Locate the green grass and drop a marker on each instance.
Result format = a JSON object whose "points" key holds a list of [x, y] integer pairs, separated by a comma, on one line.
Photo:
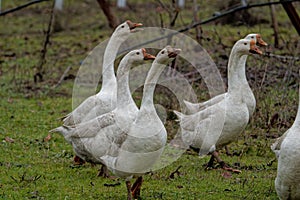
{"points": [[32, 168]]}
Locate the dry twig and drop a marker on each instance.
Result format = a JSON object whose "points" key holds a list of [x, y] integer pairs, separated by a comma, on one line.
{"points": [[62, 77], [172, 175], [39, 68]]}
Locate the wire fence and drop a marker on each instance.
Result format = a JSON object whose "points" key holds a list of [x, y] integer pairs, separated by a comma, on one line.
{"points": [[217, 16], [20, 7]]}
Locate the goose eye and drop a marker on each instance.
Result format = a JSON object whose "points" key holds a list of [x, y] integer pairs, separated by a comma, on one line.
{"points": [[252, 37], [162, 52], [137, 53], [122, 26], [245, 43]]}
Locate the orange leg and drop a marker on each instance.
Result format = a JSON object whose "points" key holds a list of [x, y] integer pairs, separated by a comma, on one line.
{"points": [[78, 161], [136, 187], [104, 172], [128, 185]]}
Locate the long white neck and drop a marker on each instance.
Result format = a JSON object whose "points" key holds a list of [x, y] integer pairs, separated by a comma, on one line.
{"points": [[124, 97], [150, 83], [297, 120], [242, 70], [108, 74], [234, 65]]}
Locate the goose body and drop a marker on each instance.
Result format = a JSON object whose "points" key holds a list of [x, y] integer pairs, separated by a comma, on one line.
{"points": [[287, 182], [105, 100], [246, 92], [147, 136], [100, 136], [204, 129]]}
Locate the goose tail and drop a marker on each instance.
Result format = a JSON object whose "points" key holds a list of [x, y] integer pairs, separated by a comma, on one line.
{"points": [[179, 115], [191, 107], [188, 104], [64, 130]]}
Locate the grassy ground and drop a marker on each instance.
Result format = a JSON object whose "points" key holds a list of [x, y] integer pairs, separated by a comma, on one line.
{"points": [[34, 164]]}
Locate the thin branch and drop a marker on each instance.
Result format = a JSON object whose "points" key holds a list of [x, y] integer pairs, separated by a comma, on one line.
{"points": [[39, 68], [111, 18], [174, 18], [21, 7], [292, 13], [211, 20], [196, 18], [264, 76], [164, 6], [161, 20], [172, 175], [236, 10], [62, 77], [275, 25], [281, 58]]}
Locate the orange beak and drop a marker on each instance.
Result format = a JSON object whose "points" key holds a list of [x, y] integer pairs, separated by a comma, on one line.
{"points": [[147, 56], [132, 25], [260, 41], [254, 49]]}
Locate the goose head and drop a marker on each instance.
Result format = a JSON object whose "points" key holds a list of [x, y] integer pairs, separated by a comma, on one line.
{"points": [[140, 55], [166, 54], [257, 38], [132, 58], [126, 28], [245, 46]]}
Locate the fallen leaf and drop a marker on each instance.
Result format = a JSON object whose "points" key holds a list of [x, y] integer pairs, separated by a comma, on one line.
{"points": [[227, 175], [10, 100], [10, 140], [274, 119], [47, 138]]}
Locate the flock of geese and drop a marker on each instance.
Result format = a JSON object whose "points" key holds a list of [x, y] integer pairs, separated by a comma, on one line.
{"points": [[109, 129]]}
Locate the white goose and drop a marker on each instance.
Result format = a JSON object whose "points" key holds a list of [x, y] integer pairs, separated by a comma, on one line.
{"points": [[95, 138], [204, 129], [287, 182], [247, 93], [105, 100], [147, 135]]}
